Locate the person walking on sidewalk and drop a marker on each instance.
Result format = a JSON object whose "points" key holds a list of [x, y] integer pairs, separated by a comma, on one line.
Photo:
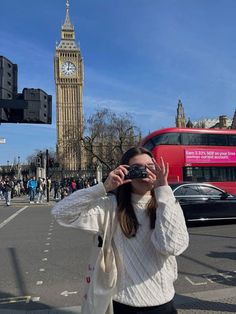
{"points": [[150, 231], [32, 186]]}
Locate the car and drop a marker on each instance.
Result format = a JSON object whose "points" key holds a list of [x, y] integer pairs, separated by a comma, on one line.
{"points": [[204, 202]]}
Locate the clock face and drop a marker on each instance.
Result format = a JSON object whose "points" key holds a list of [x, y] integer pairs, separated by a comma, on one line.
{"points": [[68, 68]]}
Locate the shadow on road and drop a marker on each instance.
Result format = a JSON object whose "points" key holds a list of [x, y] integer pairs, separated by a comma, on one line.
{"points": [[229, 255], [189, 303]]}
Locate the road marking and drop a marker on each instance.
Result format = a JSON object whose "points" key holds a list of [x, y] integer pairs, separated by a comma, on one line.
{"points": [[47, 243], [35, 299], [213, 278], [38, 283], [44, 259], [12, 217], [225, 275], [49, 233], [195, 283], [41, 269], [66, 293], [45, 251], [49, 238], [24, 299]]}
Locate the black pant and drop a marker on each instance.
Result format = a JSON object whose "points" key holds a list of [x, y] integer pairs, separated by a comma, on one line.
{"points": [[167, 308]]}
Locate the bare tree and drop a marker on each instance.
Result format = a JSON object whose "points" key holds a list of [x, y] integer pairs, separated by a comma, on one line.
{"points": [[31, 159], [108, 136]]}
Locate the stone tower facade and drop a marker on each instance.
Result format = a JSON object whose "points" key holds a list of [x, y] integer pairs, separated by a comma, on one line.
{"points": [[68, 72], [180, 119], [233, 126]]}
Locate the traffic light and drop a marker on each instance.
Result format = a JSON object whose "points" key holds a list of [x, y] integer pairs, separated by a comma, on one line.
{"points": [[39, 160], [51, 162]]}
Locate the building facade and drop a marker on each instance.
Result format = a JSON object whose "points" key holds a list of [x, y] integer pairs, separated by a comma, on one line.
{"points": [[222, 122], [180, 119], [68, 73]]}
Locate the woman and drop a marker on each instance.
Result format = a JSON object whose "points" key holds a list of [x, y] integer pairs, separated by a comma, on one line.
{"points": [[150, 232]]}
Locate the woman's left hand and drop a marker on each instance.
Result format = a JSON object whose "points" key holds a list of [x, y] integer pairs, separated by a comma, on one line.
{"points": [[159, 173]]}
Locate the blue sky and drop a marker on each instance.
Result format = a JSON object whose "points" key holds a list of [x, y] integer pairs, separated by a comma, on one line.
{"points": [[140, 57]]}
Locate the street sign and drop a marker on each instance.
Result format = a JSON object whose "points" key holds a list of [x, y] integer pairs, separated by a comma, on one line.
{"points": [[2, 141]]}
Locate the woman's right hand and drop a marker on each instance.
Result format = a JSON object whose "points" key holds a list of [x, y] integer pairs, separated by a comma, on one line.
{"points": [[116, 178]]}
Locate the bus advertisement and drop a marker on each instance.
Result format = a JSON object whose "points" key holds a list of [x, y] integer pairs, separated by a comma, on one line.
{"points": [[197, 155]]}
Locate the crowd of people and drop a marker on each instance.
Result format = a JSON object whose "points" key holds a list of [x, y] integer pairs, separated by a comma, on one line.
{"points": [[36, 189]]}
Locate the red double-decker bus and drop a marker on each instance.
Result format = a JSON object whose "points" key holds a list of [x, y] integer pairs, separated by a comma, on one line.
{"points": [[199, 155]]}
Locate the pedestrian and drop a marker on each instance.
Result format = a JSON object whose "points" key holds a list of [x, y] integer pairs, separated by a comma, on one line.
{"points": [[94, 181], [32, 185], [7, 191], [150, 231], [41, 190], [2, 190], [73, 186], [56, 187]]}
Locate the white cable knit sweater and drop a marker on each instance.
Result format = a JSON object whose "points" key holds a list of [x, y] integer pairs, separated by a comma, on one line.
{"points": [[146, 263]]}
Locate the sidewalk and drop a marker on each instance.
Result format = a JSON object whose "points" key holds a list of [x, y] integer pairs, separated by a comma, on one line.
{"points": [[219, 301]]}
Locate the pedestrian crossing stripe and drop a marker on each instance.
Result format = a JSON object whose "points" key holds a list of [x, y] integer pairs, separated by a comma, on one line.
{"points": [[25, 299]]}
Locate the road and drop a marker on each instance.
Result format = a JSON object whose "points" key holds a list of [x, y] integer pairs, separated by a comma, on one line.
{"points": [[43, 264]]}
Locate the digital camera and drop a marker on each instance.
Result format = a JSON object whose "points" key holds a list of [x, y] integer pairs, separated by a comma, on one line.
{"points": [[136, 171]]}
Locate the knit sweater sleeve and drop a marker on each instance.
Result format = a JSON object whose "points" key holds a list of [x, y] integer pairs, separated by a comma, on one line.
{"points": [[83, 209], [170, 236]]}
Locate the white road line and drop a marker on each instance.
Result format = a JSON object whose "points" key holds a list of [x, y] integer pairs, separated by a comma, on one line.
{"points": [[12, 217], [35, 299], [45, 251], [41, 269], [47, 243], [195, 283], [44, 259], [49, 238], [38, 283]]}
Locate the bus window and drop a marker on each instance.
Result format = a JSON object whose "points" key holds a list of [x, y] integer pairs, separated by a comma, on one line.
{"points": [[149, 145], [194, 139], [167, 139], [217, 140], [232, 139], [210, 174]]}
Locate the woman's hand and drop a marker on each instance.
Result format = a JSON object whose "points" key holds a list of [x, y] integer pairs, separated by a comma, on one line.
{"points": [[158, 173], [116, 178]]}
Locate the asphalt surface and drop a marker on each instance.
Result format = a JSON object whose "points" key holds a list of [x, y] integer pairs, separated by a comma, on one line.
{"points": [[212, 302], [206, 299]]}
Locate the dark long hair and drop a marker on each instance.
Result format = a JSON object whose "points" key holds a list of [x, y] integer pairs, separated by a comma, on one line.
{"points": [[126, 214]]}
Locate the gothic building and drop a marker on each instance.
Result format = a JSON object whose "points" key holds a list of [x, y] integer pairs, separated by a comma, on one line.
{"points": [[180, 119], [68, 73], [222, 122]]}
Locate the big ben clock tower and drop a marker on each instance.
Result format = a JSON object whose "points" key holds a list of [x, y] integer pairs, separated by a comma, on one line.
{"points": [[68, 69]]}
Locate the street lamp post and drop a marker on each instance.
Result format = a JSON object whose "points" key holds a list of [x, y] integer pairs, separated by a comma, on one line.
{"points": [[18, 169]]}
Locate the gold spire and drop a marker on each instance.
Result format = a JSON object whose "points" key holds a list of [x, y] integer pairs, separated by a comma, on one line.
{"points": [[67, 24]]}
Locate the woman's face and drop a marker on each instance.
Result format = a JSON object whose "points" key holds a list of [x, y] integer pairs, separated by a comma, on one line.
{"points": [[144, 185]]}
